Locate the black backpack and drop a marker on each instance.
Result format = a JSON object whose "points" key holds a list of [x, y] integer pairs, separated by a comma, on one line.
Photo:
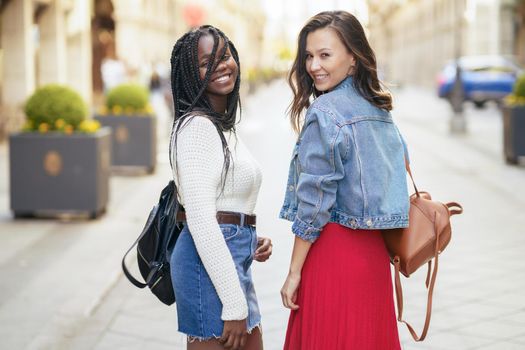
{"points": [[155, 244]]}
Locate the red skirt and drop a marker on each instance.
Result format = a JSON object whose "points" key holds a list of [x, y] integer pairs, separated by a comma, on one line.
{"points": [[345, 297]]}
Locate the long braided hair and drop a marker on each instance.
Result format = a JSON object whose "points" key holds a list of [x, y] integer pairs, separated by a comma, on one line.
{"points": [[188, 89]]}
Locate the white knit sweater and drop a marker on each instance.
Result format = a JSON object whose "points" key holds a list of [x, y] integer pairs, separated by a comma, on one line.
{"points": [[200, 159]]}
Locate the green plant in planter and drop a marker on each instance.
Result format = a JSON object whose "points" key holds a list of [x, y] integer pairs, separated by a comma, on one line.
{"points": [[518, 92], [127, 99], [57, 108]]}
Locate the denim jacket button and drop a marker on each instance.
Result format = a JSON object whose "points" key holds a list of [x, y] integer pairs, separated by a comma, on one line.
{"points": [[353, 223], [369, 223], [290, 188]]}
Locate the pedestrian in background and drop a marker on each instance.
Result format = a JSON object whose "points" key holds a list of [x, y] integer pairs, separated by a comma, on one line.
{"points": [[113, 70], [218, 182], [347, 182]]}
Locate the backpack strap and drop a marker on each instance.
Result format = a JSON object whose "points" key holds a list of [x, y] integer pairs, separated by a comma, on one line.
{"points": [[128, 274], [451, 205], [399, 290]]}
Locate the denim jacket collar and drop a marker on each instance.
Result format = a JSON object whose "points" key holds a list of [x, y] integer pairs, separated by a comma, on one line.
{"points": [[347, 82]]}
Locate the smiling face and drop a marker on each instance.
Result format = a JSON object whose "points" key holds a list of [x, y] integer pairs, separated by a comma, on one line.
{"points": [[328, 61], [222, 80]]}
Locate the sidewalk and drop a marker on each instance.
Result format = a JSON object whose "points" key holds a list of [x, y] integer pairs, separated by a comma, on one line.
{"points": [[61, 285]]}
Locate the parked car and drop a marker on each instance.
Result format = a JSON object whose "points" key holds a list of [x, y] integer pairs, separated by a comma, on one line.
{"points": [[484, 78]]}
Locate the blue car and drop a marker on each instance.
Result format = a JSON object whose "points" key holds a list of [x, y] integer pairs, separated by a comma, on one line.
{"points": [[484, 78]]}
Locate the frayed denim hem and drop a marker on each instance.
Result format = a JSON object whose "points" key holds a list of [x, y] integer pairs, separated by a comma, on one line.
{"points": [[192, 338], [258, 325]]}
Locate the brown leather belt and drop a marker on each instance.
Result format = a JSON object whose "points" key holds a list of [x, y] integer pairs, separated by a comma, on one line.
{"points": [[226, 217]]}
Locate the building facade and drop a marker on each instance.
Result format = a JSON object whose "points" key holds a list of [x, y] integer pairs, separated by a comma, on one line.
{"points": [[66, 42], [413, 39]]}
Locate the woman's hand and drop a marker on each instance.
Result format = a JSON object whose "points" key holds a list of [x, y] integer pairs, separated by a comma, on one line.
{"points": [[289, 290], [264, 249], [234, 335]]}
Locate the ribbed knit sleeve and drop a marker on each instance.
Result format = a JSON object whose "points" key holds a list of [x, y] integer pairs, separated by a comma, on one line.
{"points": [[199, 162]]}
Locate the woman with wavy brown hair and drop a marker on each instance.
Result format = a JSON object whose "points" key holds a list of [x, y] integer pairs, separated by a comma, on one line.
{"points": [[347, 182]]}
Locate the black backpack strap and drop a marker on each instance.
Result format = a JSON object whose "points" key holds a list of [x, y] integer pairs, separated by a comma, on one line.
{"points": [[128, 274]]}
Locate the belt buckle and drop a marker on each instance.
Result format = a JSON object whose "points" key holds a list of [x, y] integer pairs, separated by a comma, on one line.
{"points": [[242, 219]]}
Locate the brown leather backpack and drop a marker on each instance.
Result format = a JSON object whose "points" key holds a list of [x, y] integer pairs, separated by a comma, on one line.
{"points": [[421, 242]]}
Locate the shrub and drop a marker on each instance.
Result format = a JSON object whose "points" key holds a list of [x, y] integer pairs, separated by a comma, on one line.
{"points": [[518, 92], [54, 107], [127, 98], [519, 86]]}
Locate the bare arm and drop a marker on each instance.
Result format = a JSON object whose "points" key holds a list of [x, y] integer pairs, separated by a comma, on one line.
{"points": [[289, 290]]}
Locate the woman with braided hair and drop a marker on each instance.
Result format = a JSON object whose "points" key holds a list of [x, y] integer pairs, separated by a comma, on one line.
{"points": [[218, 182]]}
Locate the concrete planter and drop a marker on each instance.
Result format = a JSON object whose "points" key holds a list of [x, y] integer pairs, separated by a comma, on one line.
{"points": [[513, 133], [54, 174], [134, 140]]}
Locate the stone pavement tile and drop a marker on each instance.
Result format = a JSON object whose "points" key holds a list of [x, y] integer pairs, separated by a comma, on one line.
{"points": [[484, 310], [502, 345], [517, 318], [511, 298], [410, 344], [14, 338], [454, 319], [519, 340], [143, 304], [20, 237], [445, 341], [451, 319], [447, 299], [272, 342], [274, 326], [484, 288], [161, 329], [117, 341], [493, 329]]}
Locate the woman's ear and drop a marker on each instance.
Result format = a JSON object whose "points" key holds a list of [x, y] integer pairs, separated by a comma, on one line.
{"points": [[352, 65]]}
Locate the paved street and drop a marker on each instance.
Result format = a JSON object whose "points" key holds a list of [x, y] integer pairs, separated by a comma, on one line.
{"points": [[61, 285]]}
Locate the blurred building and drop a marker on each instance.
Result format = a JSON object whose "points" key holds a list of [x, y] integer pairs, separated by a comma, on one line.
{"points": [[65, 41], [242, 21], [414, 38], [41, 42], [286, 18]]}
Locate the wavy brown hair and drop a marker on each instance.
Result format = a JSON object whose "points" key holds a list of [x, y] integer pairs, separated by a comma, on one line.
{"points": [[365, 79]]}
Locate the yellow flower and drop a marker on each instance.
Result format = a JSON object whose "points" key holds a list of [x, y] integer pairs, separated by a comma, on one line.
{"points": [[116, 110], [89, 126], [513, 100], [59, 123], [68, 129], [149, 109], [96, 125], [129, 111], [43, 127]]}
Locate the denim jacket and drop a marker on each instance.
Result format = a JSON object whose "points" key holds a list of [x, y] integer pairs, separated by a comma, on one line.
{"points": [[347, 167]]}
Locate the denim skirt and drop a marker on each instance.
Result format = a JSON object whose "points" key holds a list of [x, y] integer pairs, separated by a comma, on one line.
{"points": [[199, 308]]}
